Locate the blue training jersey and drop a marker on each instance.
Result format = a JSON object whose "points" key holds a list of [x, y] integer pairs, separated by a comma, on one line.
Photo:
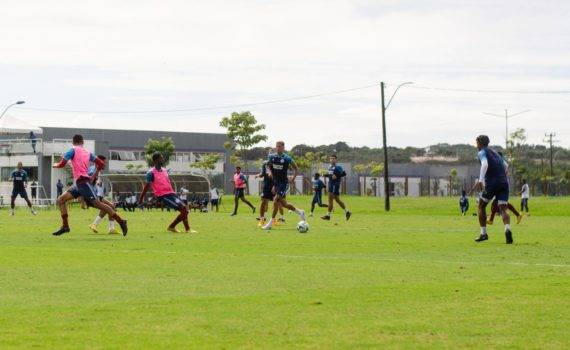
{"points": [[279, 165], [496, 172], [20, 177], [318, 186], [338, 171]]}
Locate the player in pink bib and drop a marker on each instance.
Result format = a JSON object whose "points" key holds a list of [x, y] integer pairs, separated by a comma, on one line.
{"points": [[80, 159], [157, 178], [240, 183]]}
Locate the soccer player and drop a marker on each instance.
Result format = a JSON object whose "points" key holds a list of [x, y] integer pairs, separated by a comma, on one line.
{"points": [[318, 186], [525, 194], [157, 178], [335, 175], [267, 195], [464, 203], [20, 178], [495, 205], [94, 174], [277, 165], [493, 182], [80, 158], [240, 181]]}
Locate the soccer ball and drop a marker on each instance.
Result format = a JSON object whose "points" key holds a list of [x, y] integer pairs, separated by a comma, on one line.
{"points": [[302, 227]]}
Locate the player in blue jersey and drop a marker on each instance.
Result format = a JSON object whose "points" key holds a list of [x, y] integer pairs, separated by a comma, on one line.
{"points": [[277, 165], [335, 175], [318, 186], [267, 195], [20, 178], [494, 184], [94, 174]]}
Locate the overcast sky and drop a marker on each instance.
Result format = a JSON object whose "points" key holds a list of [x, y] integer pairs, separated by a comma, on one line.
{"points": [[166, 55]]}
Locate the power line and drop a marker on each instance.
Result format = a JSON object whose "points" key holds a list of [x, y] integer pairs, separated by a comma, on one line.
{"points": [[208, 108], [492, 91]]}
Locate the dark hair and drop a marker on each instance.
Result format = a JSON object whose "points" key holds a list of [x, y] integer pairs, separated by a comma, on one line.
{"points": [[155, 156], [483, 140], [333, 155], [317, 175], [238, 167], [77, 139], [102, 157]]}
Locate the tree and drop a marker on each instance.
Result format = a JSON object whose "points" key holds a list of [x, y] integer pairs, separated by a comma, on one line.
{"points": [[207, 162], [376, 168], [164, 145], [243, 129]]}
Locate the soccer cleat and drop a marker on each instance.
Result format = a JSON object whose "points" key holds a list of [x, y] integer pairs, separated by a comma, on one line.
{"points": [[348, 214], [482, 238], [275, 222], [489, 222], [267, 226], [93, 228], [34, 212], [509, 237], [11, 212], [191, 231], [519, 218], [233, 214], [173, 230], [61, 231], [326, 217], [260, 223], [311, 215], [282, 220], [124, 227], [112, 231], [302, 215]]}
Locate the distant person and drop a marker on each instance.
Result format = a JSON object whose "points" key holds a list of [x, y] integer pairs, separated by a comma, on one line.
{"points": [[525, 195], [100, 190], [33, 140], [59, 187], [215, 199], [335, 175], [184, 196], [34, 189], [464, 203], [240, 183], [318, 186], [20, 179]]}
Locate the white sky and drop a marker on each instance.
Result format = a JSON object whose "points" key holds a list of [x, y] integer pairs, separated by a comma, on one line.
{"points": [[163, 55]]}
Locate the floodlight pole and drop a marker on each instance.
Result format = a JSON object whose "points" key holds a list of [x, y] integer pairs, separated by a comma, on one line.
{"points": [[384, 143], [507, 117], [8, 107]]}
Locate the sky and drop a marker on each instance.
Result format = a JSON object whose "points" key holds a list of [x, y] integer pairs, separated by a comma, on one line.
{"points": [[88, 58]]}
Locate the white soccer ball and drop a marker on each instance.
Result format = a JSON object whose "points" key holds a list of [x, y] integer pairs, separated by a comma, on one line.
{"points": [[303, 227]]}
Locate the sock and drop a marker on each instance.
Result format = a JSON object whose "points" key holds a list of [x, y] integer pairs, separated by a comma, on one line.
{"points": [[483, 231], [97, 220], [507, 227], [328, 213], [186, 223], [64, 219], [111, 224], [345, 210], [283, 216], [117, 218]]}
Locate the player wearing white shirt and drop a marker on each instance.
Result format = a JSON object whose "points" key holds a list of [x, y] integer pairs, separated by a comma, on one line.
{"points": [[525, 194]]}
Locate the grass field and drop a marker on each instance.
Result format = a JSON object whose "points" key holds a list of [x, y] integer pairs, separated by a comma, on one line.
{"points": [[412, 278]]}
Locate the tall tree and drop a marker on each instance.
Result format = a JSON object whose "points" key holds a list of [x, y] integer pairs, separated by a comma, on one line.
{"points": [[164, 145], [207, 162], [245, 132]]}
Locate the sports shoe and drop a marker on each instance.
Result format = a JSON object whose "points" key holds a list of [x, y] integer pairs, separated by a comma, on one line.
{"points": [[275, 222], [311, 215], [509, 237], [302, 215], [482, 238], [260, 223], [233, 214], [267, 226], [112, 231], [172, 229], [34, 212], [11, 212], [124, 227], [282, 220], [61, 231], [326, 217], [519, 218], [348, 214], [93, 228], [191, 231], [489, 222]]}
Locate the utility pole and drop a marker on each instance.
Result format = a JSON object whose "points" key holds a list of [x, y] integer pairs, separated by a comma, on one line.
{"points": [[549, 140], [384, 143], [507, 117]]}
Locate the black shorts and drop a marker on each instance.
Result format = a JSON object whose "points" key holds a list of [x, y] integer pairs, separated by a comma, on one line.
{"points": [[214, 201], [500, 191], [281, 188], [334, 188], [19, 192], [267, 193], [239, 192], [171, 201]]}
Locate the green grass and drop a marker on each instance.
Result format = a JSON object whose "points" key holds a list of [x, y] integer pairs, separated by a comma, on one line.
{"points": [[412, 278]]}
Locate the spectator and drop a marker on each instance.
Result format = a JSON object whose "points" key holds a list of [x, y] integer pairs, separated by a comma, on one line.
{"points": [[59, 187], [33, 140], [215, 198], [100, 189], [184, 195], [34, 188]]}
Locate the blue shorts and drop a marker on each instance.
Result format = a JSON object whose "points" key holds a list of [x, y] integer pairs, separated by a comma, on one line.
{"points": [[87, 191], [239, 192], [281, 188], [334, 188], [317, 198], [171, 201], [498, 190], [74, 191], [19, 192], [214, 201]]}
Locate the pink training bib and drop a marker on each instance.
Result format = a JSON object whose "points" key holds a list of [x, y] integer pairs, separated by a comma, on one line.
{"points": [[80, 162], [238, 181], [161, 182]]}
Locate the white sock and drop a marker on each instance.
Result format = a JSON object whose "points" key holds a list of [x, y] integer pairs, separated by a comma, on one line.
{"points": [[97, 220], [112, 225], [269, 223], [507, 227], [483, 230], [282, 216], [328, 213]]}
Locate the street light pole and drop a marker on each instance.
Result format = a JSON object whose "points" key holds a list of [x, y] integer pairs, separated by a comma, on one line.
{"points": [[384, 143], [507, 116], [8, 107]]}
